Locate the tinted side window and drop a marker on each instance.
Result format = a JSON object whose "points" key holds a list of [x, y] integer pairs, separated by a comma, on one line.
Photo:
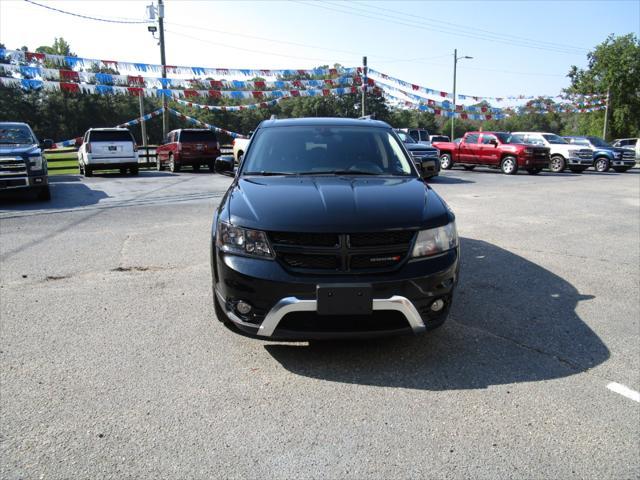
{"points": [[415, 135], [197, 136], [486, 139], [472, 138]]}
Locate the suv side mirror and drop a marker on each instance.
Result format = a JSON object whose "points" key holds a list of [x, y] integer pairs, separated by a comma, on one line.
{"points": [[47, 144], [225, 164]]}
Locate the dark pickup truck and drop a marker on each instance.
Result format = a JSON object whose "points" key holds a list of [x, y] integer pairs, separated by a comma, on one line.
{"points": [[22, 166], [328, 230], [493, 150]]}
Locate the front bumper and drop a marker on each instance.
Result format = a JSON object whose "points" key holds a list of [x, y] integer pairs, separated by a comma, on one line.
{"points": [[35, 181], [579, 162], [618, 162], [285, 305]]}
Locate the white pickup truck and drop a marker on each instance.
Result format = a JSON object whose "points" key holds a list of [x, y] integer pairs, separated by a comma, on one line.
{"points": [[239, 147], [562, 154]]}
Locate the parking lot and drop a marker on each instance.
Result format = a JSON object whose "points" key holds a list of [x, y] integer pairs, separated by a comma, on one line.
{"points": [[113, 364]]}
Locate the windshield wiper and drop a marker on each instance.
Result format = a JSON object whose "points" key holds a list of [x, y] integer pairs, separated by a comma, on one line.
{"points": [[269, 174], [340, 172]]}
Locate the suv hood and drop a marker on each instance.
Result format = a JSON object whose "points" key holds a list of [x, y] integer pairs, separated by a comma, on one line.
{"points": [[19, 150], [334, 204]]}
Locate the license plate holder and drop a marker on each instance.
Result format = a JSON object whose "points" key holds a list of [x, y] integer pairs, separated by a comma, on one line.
{"points": [[345, 299]]}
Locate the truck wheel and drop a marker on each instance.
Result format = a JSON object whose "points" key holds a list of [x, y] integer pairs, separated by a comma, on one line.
{"points": [[601, 165], [445, 161], [134, 170], [534, 171], [44, 194], [173, 165], [557, 164], [211, 165], [509, 166], [621, 169], [88, 171], [196, 167], [468, 167]]}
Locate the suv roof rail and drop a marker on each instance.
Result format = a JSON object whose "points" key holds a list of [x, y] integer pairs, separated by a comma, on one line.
{"points": [[273, 117]]}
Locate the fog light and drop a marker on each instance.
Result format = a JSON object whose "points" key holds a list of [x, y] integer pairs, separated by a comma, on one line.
{"points": [[437, 305], [243, 307]]}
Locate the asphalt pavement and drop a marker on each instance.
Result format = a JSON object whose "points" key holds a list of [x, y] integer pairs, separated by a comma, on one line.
{"points": [[112, 364]]}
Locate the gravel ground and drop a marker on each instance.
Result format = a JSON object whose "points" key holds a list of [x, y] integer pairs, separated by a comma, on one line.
{"points": [[112, 364]]}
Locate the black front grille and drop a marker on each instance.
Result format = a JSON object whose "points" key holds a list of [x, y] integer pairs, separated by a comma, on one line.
{"points": [[342, 253], [313, 262], [305, 239], [380, 320], [382, 238]]}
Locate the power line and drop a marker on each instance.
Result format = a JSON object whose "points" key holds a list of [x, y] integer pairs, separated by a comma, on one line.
{"points": [[323, 60], [86, 17], [386, 18], [467, 29]]}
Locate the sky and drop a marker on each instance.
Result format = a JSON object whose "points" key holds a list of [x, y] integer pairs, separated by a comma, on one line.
{"points": [[518, 47]]}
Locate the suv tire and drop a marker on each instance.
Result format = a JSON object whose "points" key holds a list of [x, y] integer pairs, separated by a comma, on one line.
{"points": [[577, 169], [534, 171], [88, 171], [173, 165], [211, 165], [134, 170], [601, 164], [509, 165], [445, 161], [469, 167], [196, 167], [557, 164]]}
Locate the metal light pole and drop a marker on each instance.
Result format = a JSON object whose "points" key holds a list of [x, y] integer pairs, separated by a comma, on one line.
{"points": [[163, 60], [455, 67], [606, 116], [364, 82]]}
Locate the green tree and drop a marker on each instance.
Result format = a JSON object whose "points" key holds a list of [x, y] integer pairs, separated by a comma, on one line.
{"points": [[614, 66]]}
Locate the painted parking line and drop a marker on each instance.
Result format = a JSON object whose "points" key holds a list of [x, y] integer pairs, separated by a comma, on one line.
{"points": [[624, 391]]}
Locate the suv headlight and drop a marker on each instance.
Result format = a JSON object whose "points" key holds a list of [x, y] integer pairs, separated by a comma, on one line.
{"points": [[36, 162], [243, 241], [435, 240], [573, 153]]}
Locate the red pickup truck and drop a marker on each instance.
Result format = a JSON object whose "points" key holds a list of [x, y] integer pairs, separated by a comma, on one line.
{"points": [[188, 146], [493, 150]]}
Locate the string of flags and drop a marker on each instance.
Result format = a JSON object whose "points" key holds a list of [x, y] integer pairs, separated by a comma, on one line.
{"points": [[70, 62], [230, 108], [439, 112], [74, 76], [195, 121], [439, 93], [71, 87]]}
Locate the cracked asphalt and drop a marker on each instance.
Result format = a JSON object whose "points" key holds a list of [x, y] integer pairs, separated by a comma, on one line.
{"points": [[112, 364]]}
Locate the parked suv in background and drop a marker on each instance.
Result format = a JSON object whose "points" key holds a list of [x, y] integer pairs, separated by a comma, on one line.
{"points": [[22, 165], [562, 154], [493, 150], [328, 231], [629, 143], [420, 135], [239, 147], [426, 156], [108, 149], [188, 147], [604, 155]]}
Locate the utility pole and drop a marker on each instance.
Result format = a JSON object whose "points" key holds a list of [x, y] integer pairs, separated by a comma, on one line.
{"points": [[453, 117], [364, 83], [143, 125], [606, 115], [163, 60], [455, 67]]}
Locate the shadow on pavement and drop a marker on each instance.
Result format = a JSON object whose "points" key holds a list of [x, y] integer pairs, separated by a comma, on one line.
{"points": [[65, 193], [448, 179], [512, 321]]}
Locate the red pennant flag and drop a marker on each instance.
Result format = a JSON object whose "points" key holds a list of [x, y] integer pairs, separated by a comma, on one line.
{"points": [[257, 94], [35, 56], [136, 91], [260, 85], [217, 84], [215, 94], [70, 87], [295, 93], [328, 81], [135, 80], [415, 87], [326, 92], [333, 71], [443, 94], [190, 93], [69, 76], [489, 117], [464, 116]]}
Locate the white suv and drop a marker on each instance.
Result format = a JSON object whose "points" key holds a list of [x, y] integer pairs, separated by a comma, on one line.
{"points": [[108, 148], [562, 154]]}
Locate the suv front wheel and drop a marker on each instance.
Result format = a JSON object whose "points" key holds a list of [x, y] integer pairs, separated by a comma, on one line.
{"points": [[445, 161], [509, 166], [557, 164], [601, 165]]}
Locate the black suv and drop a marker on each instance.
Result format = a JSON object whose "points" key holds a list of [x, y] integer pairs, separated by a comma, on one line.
{"points": [[328, 230]]}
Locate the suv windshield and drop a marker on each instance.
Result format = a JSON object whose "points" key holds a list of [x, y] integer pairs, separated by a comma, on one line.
{"points": [[316, 150], [554, 139], [505, 137], [16, 135], [110, 136], [197, 136], [598, 142]]}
